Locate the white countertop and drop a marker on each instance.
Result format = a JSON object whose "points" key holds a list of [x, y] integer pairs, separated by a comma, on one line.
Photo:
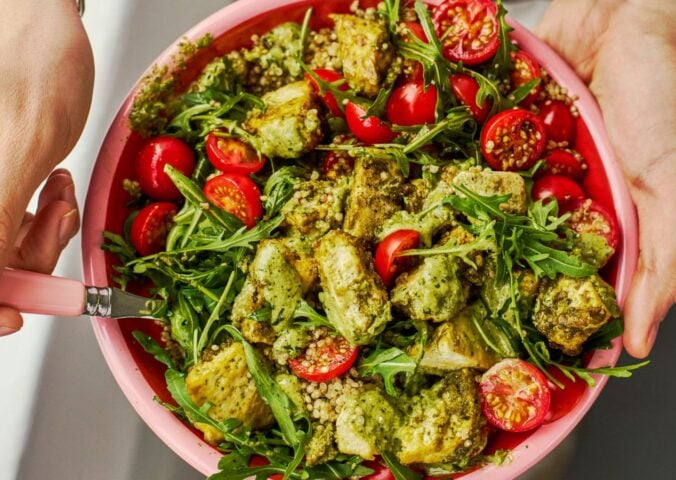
{"points": [[63, 415]]}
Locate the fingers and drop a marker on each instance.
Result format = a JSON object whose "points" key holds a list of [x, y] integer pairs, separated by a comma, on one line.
{"points": [[650, 297], [42, 238], [10, 321]]}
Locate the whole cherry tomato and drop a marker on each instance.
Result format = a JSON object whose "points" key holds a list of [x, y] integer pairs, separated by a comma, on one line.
{"points": [[559, 121], [324, 359], [513, 140], [591, 217], [150, 227], [514, 395], [564, 189], [465, 88], [370, 129], [563, 399], [563, 162], [232, 155], [387, 264], [411, 104], [525, 70], [236, 194], [468, 29], [328, 98], [152, 158]]}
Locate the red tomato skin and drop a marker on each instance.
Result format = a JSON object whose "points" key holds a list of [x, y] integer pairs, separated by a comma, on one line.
{"points": [[562, 162], [342, 365], [231, 155], [564, 189], [540, 399], [386, 263], [417, 30], [150, 227], [380, 471], [613, 230], [258, 461], [410, 104], [510, 118], [473, 9], [152, 158], [245, 200], [559, 121], [529, 71], [328, 99], [465, 89], [369, 130], [563, 399]]}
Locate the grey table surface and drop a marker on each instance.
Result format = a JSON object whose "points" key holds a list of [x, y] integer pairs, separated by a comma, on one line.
{"points": [[74, 423]]}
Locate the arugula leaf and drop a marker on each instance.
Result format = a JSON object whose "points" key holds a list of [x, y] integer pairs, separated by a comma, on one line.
{"points": [[387, 363], [377, 108], [153, 348], [484, 242], [392, 8], [399, 471], [502, 62], [316, 319], [279, 188], [514, 97], [602, 338]]}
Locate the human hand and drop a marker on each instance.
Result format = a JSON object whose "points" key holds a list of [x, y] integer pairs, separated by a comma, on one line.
{"points": [[46, 78], [626, 51]]}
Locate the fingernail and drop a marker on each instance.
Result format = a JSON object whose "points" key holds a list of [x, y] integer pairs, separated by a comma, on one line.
{"points": [[652, 335], [68, 194], [6, 331], [66, 226]]}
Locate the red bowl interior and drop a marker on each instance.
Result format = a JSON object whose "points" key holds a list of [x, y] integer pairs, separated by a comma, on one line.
{"points": [[142, 378]]}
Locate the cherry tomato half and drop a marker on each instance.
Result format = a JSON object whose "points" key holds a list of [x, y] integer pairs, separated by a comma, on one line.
{"points": [[564, 189], [324, 359], [386, 262], [513, 140], [258, 461], [336, 164], [514, 395], [411, 104], [465, 89], [525, 70], [563, 399], [152, 158], [236, 194], [563, 162], [231, 155], [380, 471], [150, 227], [369, 130], [592, 217], [468, 29], [328, 98], [559, 121]]}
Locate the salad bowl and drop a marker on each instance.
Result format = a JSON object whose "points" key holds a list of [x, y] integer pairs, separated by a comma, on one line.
{"points": [[142, 379]]}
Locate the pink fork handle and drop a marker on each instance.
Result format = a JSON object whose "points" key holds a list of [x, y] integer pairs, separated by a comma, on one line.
{"points": [[31, 292]]}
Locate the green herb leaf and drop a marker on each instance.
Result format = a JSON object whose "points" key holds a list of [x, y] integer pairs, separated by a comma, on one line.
{"points": [[399, 471], [153, 348], [502, 62], [387, 363]]}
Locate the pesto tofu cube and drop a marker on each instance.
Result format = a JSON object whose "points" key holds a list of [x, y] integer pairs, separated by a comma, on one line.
{"points": [[223, 380], [375, 195], [316, 207], [354, 297], [272, 281], [458, 344], [289, 126], [432, 291], [444, 423], [365, 51], [486, 182], [366, 423], [569, 310]]}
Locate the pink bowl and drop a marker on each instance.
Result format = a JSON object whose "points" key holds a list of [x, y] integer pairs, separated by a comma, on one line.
{"points": [[141, 378]]}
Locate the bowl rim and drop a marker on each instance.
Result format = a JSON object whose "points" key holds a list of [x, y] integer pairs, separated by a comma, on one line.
{"points": [[175, 433]]}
